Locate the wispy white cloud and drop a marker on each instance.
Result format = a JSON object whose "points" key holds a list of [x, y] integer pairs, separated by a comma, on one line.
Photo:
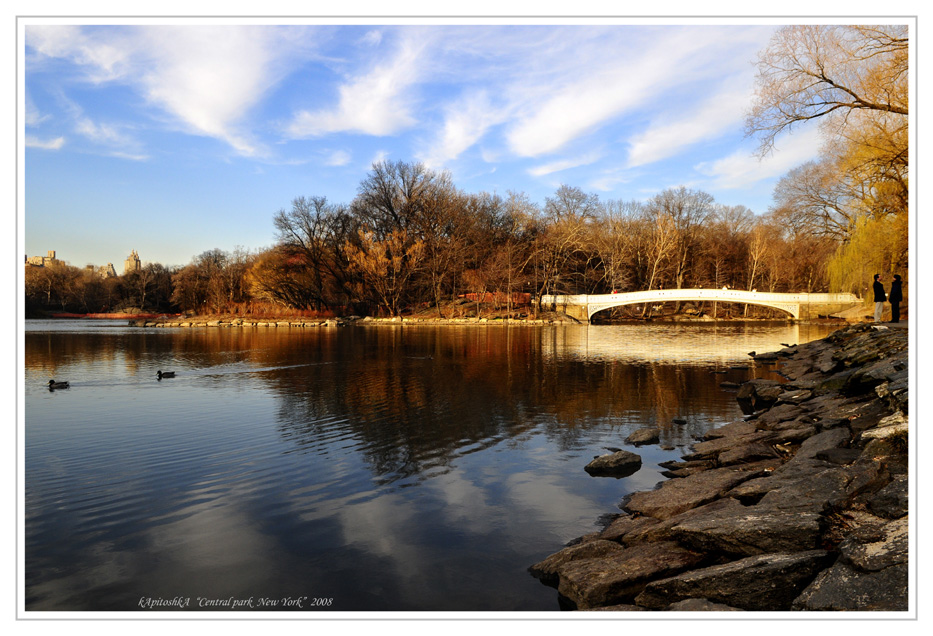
{"points": [[706, 120], [605, 85], [209, 77], [129, 156], [47, 144], [338, 158], [33, 117], [372, 38], [743, 169], [205, 78], [465, 123], [565, 164], [100, 55], [106, 134], [377, 102], [380, 156], [609, 180]]}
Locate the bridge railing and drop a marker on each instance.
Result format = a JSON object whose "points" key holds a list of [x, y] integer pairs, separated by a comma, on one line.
{"points": [[721, 295]]}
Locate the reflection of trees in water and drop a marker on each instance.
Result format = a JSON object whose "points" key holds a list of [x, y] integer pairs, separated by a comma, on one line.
{"points": [[413, 400], [408, 400]]}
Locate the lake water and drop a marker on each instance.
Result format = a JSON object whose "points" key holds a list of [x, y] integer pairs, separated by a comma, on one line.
{"points": [[359, 468]]}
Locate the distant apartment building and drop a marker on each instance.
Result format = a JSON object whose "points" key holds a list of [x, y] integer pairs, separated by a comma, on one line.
{"points": [[104, 271], [132, 263], [42, 261]]}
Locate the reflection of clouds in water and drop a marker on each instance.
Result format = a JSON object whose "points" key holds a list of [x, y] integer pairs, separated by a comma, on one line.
{"points": [[217, 545], [386, 527], [219, 535], [101, 567], [551, 504], [462, 498]]}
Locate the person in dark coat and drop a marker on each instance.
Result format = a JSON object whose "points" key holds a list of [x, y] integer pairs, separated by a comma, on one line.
{"points": [[878, 288], [895, 298]]}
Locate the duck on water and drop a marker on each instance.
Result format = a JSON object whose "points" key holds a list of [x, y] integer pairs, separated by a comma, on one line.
{"points": [[166, 374], [57, 385]]}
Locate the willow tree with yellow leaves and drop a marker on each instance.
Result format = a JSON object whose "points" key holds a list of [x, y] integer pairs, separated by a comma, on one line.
{"points": [[853, 81]]}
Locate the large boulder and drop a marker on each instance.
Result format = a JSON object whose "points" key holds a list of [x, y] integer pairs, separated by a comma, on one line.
{"points": [[769, 582], [700, 605], [871, 574], [739, 530], [679, 495], [644, 436], [620, 576], [546, 570], [619, 464], [756, 395]]}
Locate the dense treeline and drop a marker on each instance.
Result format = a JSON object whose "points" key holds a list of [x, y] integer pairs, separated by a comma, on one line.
{"points": [[411, 240]]}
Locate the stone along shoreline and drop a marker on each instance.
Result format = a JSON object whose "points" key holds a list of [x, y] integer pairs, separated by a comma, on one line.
{"points": [[802, 505]]}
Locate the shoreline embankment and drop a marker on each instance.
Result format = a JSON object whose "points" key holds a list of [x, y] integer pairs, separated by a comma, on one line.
{"points": [[549, 318], [802, 505]]}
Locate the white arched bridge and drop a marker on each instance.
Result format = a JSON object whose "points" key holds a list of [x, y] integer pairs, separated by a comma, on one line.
{"points": [[802, 306]]}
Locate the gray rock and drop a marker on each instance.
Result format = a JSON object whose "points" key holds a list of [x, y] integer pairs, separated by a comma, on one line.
{"points": [[844, 588], [891, 501], [711, 449], [700, 605], [673, 464], [769, 582], [753, 490], [644, 436], [889, 550], [546, 570], [867, 475], [795, 396], [841, 456], [827, 440], [619, 464], [747, 453], [678, 495], [683, 472], [817, 493], [779, 413], [661, 530], [619, 577], [739, 530], [756, 395], [729, 430], [624, 525]]}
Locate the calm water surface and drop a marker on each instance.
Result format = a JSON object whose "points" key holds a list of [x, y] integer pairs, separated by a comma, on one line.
{"points": [[385, 468]]}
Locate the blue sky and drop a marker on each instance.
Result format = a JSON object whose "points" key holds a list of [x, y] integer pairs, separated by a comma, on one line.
{"points": [[175, 139]]}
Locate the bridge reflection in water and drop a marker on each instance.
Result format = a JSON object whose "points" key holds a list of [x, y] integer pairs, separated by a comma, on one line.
{"points": [[677, 343], [801, 306]]}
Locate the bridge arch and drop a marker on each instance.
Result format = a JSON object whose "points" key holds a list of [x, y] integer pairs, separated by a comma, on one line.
{"points": [[792, 310]]}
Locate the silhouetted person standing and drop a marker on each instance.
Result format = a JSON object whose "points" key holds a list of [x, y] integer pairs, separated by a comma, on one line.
{"points": [[879, 297], [895, 298]]}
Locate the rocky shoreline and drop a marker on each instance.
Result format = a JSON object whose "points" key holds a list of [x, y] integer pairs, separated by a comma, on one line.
{"points": [[802, 505]]}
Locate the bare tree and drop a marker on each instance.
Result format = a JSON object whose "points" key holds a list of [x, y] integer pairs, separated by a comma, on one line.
{"points": [[811, 72]]}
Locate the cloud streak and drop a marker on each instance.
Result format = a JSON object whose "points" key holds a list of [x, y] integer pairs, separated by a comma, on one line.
{"points": [[742, 169], [377, 102], [49, 144], [206, 79], [704, 121]]}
